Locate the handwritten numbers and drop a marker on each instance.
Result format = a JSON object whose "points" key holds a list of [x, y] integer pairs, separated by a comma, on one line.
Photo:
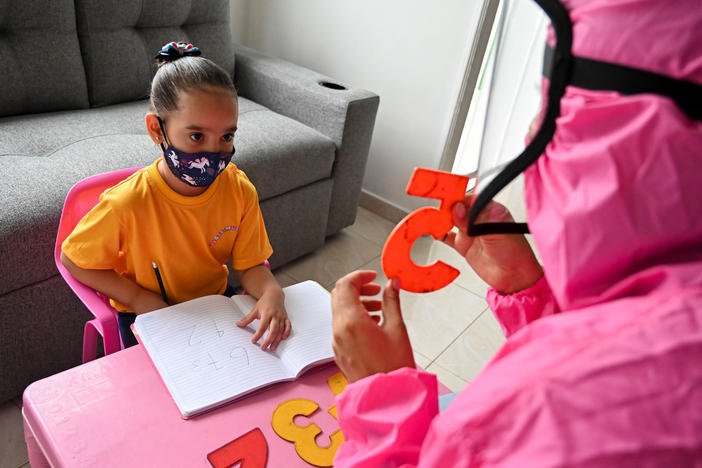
{"points": [[250, 449], [396, 260], [220, 333], [192, 342], [213, 362], [240, 354]]}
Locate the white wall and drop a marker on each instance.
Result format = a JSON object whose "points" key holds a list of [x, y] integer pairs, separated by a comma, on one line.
{"points": [[412, 53]]}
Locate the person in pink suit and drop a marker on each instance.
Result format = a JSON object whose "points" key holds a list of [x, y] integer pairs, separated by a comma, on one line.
{"points": [[602, 365]]}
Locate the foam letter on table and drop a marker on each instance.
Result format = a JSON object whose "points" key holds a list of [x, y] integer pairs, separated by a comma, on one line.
{"points": [[304, 437], [337, 383], [250, 449], [396, 260]]}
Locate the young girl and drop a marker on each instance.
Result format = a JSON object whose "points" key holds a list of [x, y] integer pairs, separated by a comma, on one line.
{"points": [[184, 216]]}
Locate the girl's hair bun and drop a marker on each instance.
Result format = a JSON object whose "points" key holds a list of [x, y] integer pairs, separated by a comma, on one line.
{"points": [[172, 51]]}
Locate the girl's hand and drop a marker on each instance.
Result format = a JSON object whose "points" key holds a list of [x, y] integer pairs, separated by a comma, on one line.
{"points": [[504, 261], [270, 310], [361, 346]]}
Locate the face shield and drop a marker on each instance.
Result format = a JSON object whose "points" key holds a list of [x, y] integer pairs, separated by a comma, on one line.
{"points": [[509, 101], [511, 110], [517, 114]]}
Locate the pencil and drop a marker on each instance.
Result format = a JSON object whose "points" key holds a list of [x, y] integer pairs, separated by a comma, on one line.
{"points": [[160, 283]]}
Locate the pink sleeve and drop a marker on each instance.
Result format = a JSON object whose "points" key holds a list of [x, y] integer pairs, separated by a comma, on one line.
{"points": [[517, 310], [385, 418]]}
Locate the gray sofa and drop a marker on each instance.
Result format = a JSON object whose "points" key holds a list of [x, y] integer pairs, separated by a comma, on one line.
{"points": [[75, 77]]}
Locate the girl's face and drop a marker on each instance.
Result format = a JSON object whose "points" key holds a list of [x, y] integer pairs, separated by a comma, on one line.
{"points": [[205, 121]]}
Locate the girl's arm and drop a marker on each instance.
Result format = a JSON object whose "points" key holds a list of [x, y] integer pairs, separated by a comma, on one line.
{"points": [[114, 286], [259, 282]]}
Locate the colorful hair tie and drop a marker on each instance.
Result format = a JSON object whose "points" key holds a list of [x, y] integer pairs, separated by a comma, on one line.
{"points": [[174, 50]]}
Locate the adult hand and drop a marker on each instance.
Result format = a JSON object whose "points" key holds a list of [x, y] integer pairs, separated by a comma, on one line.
{"points": [[362, 347], [270, 310], [504, 261]]}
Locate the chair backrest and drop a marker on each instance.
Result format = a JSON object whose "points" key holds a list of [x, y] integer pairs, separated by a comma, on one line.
{"points": [[80, 199]]}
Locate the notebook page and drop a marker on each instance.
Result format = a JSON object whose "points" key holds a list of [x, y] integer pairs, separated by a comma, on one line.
{"points": [[309, 308], [203, 357]]}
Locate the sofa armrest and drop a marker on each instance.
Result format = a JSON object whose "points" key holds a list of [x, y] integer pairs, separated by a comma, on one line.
{"points": [[344, 115]]}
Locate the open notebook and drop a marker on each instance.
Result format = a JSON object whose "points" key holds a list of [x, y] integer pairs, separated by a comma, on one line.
{"points": [[206, 360]]}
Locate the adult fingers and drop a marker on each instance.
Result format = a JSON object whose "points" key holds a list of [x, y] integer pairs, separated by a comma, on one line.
{"points": [[450, 239], [372, 305], [496, 212], [459, 214], [391, 303], [347, 290], [370, 289]]}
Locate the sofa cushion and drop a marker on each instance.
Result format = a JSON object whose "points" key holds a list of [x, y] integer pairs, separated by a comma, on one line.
{"points": [[42, 69], [279, 154], [120, 39], [43, 155]]}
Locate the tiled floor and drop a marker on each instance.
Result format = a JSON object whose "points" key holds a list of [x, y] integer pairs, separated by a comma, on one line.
{"points": [[452, 331]]}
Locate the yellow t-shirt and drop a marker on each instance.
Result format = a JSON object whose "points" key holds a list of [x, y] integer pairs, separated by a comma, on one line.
{"points": [[142, 219]]}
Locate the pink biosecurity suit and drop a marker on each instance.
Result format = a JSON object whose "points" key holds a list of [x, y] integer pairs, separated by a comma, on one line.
{"points": [[603, 360]]}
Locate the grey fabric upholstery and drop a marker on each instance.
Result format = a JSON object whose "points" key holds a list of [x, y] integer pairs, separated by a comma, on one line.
{"points": [[303, 146], [40, 59], [346, 116], [119, 41], [42, 333]]}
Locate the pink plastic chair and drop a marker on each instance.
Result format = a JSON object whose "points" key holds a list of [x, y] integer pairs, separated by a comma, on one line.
{"points": [[80, 199]]}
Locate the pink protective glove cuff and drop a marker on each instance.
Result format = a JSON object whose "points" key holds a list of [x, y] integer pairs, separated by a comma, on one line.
{"points": [[386, 417], [515, 311]]}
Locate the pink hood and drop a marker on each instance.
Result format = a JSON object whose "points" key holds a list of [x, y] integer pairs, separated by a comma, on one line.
{"points": [[619, 188]]}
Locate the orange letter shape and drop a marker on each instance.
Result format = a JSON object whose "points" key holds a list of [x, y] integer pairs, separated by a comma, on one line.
{"points": [[396, 259], [250, 449]]}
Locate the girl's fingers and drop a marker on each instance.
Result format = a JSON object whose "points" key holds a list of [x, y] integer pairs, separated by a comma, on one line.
{"points": [[262, 327], [250, 317], [288, 329], [273, 332]]}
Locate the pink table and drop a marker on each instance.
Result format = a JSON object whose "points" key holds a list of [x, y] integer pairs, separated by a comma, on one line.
{"points": [[116, 411]]}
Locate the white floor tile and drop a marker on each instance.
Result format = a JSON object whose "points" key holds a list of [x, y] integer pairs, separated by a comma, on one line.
{"points": [[421, 360], [435, 319], [284, 279], [467, 356], [371, 226], [453, 382], [342, 253], [13, 450]]}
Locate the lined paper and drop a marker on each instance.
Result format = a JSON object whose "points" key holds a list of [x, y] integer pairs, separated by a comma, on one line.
{"points": [[205, 359]]}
